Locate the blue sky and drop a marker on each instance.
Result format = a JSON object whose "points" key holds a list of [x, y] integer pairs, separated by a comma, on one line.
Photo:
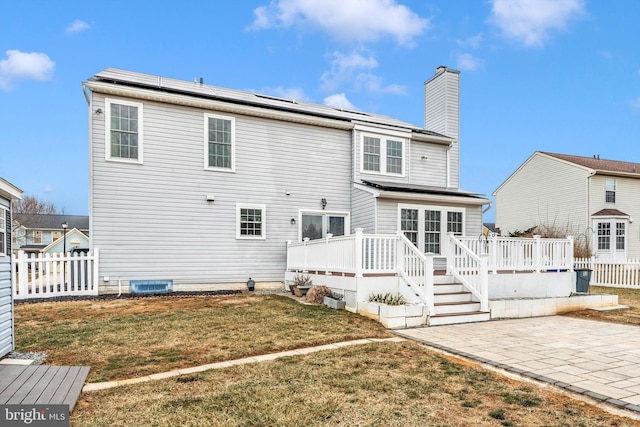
{"points": [[548, 75]]}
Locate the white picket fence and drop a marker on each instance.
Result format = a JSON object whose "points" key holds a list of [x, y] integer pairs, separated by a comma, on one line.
{"points": [[614, 273], [54, 275]]}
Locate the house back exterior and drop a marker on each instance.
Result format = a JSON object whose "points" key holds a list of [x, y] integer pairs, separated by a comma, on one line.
{"points": [[593, 199], [205, 185]]}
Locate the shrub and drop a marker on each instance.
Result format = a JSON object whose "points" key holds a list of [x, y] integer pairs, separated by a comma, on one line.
{"points": [[388, 299], [317, 293], [302, 280]]}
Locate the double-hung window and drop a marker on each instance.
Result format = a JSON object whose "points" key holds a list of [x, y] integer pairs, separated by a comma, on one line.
{"points": [[3, 231], [219, 144], [124, 127], [383, 155], [251, 221], [610, 190]]}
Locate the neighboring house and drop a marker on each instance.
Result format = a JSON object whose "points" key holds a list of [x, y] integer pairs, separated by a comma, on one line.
{"points": [[42, 232], [8, 192], [205, 185], [490, 229], [593, 199]]}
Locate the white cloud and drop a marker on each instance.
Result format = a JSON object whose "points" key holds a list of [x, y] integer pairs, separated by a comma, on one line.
{"points": [[531, 21], [48, 188], [344, 67], [25, 66], [77, 26], [373, 84], [635, 104], [471, 42], [468, 62], [347, 20], [339, 100]]}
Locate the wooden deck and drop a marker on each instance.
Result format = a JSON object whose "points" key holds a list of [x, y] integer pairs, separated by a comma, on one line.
{"points": [[41, 385]]}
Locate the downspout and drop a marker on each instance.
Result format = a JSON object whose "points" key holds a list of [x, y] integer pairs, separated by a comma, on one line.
{"points": [[484, 211]]}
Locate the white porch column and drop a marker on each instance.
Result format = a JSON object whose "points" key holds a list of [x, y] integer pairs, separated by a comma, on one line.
{"points": [[304, 251], [537, 253], [428, 282], [484, 282]]}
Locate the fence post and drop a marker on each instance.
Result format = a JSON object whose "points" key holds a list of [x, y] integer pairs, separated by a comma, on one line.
{"points": [[23, 268], [288, 256], [359, 256], [96, 270], [537, 251], [484, 282], [327, 269], [569, 259], [494, 253], [304, 251]]}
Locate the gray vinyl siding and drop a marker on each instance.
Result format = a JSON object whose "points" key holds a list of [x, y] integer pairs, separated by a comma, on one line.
{"points": [[363, 211], [6, 299], [152, 220], [431, 171], [544, 191], [627, 201]]}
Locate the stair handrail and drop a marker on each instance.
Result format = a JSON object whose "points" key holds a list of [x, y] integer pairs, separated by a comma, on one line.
{"points": [[416, 269], [470, 269]]}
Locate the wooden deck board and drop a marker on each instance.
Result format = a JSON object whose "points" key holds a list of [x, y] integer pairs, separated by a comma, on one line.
{"points": [[41, 385]]}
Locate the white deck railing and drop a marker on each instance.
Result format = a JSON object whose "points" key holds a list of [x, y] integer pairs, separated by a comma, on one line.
{"points": [[470, 269], [370, 254], [612, 272], [523, 254], [54, 275]]}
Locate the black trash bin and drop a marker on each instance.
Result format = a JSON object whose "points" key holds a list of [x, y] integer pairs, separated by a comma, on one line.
{"points": [[583, 277]]}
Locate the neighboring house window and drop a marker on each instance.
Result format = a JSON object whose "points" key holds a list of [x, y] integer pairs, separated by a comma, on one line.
{"points": [[409, 224], [316, 225], [604, 235], [251, 222], [55, 235], [620, 235], [432, 232], [219, 142], [610, 190], [124, 121], [3, 231], [383, 155], [37, 237]]}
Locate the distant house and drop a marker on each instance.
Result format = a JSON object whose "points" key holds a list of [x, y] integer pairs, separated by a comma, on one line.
{"points": [[8, 192], [204, 185], [595, 200], [43, 232]]}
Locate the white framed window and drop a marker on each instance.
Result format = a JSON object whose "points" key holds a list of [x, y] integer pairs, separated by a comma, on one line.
{"points": [[383, 154], [3, 231], [427, 226], [123, 123], [56, 235], [37, 237], [251, 221], [610, 236], [317, 224], [610, 190], [219, 142]]}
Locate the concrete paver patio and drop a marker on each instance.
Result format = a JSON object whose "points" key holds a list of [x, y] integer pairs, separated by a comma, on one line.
{"points": [[595, 359]]}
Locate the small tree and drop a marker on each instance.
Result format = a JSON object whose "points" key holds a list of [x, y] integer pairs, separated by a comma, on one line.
{"points": [[29, 211]]}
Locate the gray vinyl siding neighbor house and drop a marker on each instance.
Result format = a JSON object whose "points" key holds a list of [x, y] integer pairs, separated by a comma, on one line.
{"points": [[8, 192], [205, 185], [593, 199]]}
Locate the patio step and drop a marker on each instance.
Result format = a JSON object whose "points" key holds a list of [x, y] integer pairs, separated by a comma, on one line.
{"points": [[452, 319], [457, 307], [452, 297], [445, 288]]}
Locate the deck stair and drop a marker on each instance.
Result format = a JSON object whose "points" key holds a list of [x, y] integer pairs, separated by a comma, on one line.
{"points": [[454, 304]]}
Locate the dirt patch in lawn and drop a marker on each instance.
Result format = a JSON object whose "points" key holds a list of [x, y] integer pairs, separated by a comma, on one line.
{"points": [[627, 316]]}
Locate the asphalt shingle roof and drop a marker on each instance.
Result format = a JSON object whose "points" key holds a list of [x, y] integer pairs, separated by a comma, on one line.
{"points": [[52, 221], [598, 164]]}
